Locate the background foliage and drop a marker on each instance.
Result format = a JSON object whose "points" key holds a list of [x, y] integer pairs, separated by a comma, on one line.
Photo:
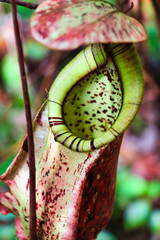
{"points": [[137, 207]]}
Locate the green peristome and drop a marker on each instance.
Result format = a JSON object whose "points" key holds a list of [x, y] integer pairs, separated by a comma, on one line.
{"points": [[96, 96]]}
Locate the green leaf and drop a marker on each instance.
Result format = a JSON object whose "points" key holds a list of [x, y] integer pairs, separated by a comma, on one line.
{"points": [[11, 73], [154, 221], [130, 186], [138, 125], [105, 235], [136, 214], [7, 232], [24, 12], [5, 164], [152, 29], [5, 129], [34, 50], [153, 189], [7, 218]]}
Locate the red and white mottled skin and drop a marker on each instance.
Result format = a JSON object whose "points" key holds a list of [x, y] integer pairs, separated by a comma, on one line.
{"points": [[72, 23], [64, 183]]}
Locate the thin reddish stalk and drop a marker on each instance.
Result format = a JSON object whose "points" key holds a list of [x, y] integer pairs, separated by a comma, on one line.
{"points": [[32, 197], [22, 3]]}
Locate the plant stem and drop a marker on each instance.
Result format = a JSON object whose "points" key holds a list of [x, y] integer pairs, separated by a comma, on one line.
{"points": [[32, 196], [22, 3]]}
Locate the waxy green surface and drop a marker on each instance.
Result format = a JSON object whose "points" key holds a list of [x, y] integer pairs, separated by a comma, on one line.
{"points": [[69, 24]]}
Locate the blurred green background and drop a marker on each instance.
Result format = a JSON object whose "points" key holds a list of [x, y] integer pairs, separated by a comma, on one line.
{"points": [[136, 214]]}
